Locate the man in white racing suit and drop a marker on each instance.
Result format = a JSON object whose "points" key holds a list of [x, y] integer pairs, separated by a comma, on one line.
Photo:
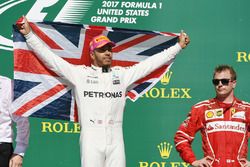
{"points": [[100, 94]]}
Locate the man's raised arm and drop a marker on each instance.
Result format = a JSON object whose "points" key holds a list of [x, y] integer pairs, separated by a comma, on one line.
{"points": [[51, 60]]}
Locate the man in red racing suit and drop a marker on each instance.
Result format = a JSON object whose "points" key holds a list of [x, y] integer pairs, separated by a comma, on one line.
{"points": [[224, 126]]}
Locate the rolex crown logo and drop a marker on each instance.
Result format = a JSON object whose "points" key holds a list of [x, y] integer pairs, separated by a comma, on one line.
{"points": [[166, 78], [165, 150]]}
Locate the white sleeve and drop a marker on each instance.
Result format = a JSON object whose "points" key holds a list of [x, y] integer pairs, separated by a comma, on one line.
{"points": [[22, 134], [22, 126], [51, 60], [152, 63]]}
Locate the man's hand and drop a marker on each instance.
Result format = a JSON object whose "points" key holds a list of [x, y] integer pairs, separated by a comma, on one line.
{"points": [[16, 161], [183, 39], [247, 164], [23, 25], [204, 162], [244, 162]]}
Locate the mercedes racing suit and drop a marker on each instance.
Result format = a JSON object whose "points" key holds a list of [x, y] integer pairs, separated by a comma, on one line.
{"points": [[224, 130], [100, 98]]}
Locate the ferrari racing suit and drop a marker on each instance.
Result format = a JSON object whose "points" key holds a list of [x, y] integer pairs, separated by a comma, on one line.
{"points": [[224, 130]]}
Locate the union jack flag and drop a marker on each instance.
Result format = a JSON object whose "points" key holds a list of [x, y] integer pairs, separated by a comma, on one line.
{"points": [[39, 92]]}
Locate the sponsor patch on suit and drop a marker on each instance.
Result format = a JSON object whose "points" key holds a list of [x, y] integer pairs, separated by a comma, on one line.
{"points": [[239, 115], [214, 114], [115, 79]]}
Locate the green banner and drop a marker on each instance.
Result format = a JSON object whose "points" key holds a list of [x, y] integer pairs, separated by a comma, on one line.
{"points": [[219, 32]]}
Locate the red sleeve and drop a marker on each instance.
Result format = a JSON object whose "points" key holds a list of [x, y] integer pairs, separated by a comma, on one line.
{"points": [[185, 135], [248, 120]]}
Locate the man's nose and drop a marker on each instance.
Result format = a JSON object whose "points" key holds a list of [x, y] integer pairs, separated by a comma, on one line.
{"points": [[108, 52], [220, 83]]}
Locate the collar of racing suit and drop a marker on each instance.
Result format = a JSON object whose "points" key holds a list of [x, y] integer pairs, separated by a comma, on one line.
{"points": [[101, 69], [225, 106]]}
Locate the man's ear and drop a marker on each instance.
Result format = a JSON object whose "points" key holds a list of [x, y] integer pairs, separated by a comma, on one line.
{"points": [[92, 56], [234, 83]]}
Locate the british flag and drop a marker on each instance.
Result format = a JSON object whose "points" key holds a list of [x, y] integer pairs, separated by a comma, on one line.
{"points": [[39, 92]]}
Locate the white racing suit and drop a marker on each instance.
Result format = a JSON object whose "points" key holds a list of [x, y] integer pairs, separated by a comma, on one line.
{"points": [[100, 99]]}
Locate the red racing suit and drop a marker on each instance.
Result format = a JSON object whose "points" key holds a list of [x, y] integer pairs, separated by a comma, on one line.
{"points": [[224, 130]]}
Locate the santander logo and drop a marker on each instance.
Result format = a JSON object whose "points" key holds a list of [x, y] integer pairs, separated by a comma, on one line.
{"points": [[230, 126]]}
